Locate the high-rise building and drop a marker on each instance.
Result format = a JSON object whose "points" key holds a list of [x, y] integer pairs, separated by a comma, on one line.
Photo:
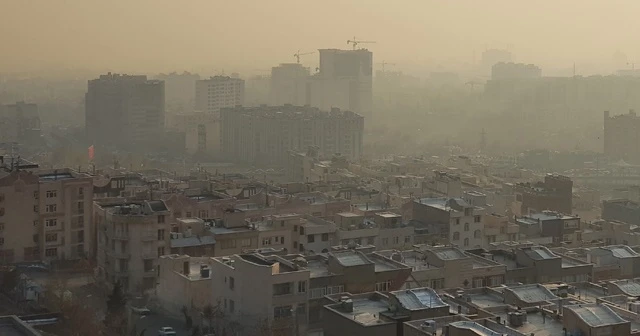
{"points": [[266, 134], [289, 84], [344, 80], [622, 137], [180, 91], [124, 110], [19, 122], [219, 92]]}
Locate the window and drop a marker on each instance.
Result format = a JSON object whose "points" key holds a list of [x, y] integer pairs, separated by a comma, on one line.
{"points": [[325, 237], [396, 240], [295, 228], [51, 208], [81, 236], [476, 234], [177, 214], [35, 209], [466, 227], [385, 241], [161, 234], [302, 231], [36, 195], [80, 221], [302, 309], [81, 191], [1, 226], [36, 238], [407, 239], [565, 238], [383, 286], [282, 289], [36, 222], [456, 235], [2, 210], [232, 283], [81, 207], [52, 193], [148, 265], [188, 214], [282, 312], [204, 213], [437, 283], [245, 242], [371, 240], [301, 247], [266, 241], [503, 229], [311, 238], [477, 219], [281, 239], [51, 237], [51, 222], [466, 242], [160, 219], [478, 282], [161, 251], [1, 241], [51, 252], [457, 221], [302, 286], [232, 306], [228, 244]]}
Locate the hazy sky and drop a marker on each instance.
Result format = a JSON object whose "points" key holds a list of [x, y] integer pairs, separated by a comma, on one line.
{"points": [[161, 35]]}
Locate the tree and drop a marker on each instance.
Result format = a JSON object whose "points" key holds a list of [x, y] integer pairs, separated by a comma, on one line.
{"points": [[115, 319], [10, 280], [77, 318]]}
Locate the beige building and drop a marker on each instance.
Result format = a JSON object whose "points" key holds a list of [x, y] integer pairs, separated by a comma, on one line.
{"points": [[289, 84], [19, 122], [55, 205], [183, 281], [202, 131], [280, 298], [497, 228], [131, 236], [218, 92]]}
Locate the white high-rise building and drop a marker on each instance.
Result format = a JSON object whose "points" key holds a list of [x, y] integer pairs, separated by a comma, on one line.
{"points": [[218, 92]]}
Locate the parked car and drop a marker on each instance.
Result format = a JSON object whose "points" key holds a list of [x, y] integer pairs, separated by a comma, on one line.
{"points": [[166, 331]]}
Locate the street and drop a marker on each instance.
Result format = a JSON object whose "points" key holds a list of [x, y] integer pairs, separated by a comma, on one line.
{"points": [[152, 323]]}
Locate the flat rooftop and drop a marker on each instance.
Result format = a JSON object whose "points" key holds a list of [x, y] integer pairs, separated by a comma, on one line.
{"points": [[419, 298], [533, 293], [366, 310], [317, 268], [536, 324], [351, 258], [449, 253], [596, 315], [413, 259]]}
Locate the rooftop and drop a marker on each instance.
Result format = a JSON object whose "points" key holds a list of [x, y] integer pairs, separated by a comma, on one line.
{"points": [[596, 315], [450, 253], [476, 328], [366, 309], [621, 251], [536, 324], [351, 258], [193, 241], [539, 253], [628, 286], [533, 293], [420, 298]]}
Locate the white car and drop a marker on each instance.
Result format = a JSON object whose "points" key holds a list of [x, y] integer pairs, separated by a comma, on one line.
{"points": [[166, 331]]}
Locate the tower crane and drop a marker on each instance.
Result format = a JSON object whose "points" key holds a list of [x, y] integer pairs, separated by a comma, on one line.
{"points": [[298, 54], [355, 42]]}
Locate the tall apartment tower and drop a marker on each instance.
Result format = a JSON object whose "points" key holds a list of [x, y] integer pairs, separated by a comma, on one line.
{"points": [[266, 134], [289, 84], [344, 80], [622, 137], [219, 92], [124, 110]]}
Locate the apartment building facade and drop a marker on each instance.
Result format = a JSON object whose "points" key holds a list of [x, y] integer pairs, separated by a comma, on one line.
{"points": [[460, 222], [218, 92], [131, 236], [45, 215], [265, 135]]}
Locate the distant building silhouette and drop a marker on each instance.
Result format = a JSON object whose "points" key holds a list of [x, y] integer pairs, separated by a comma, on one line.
{"points": [[289, 84], [622, 137], [124, 110], [219, 92]]}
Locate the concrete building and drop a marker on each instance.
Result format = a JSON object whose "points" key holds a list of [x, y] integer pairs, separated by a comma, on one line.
{"points": [[448, 267], [131, 236], [183, 281], [538, 264], [180, 91], [344, 81], [281, 298], [19, 122], [614, 262], [289, 84], [594, 319], [498, 228], [218, 92], [201, 129], [621, 210], [265, 135], [130, 106], [560, 228], [506, 71], [490, 57], [56, 205], [620, 139], [555, 194], [460, 222]]}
